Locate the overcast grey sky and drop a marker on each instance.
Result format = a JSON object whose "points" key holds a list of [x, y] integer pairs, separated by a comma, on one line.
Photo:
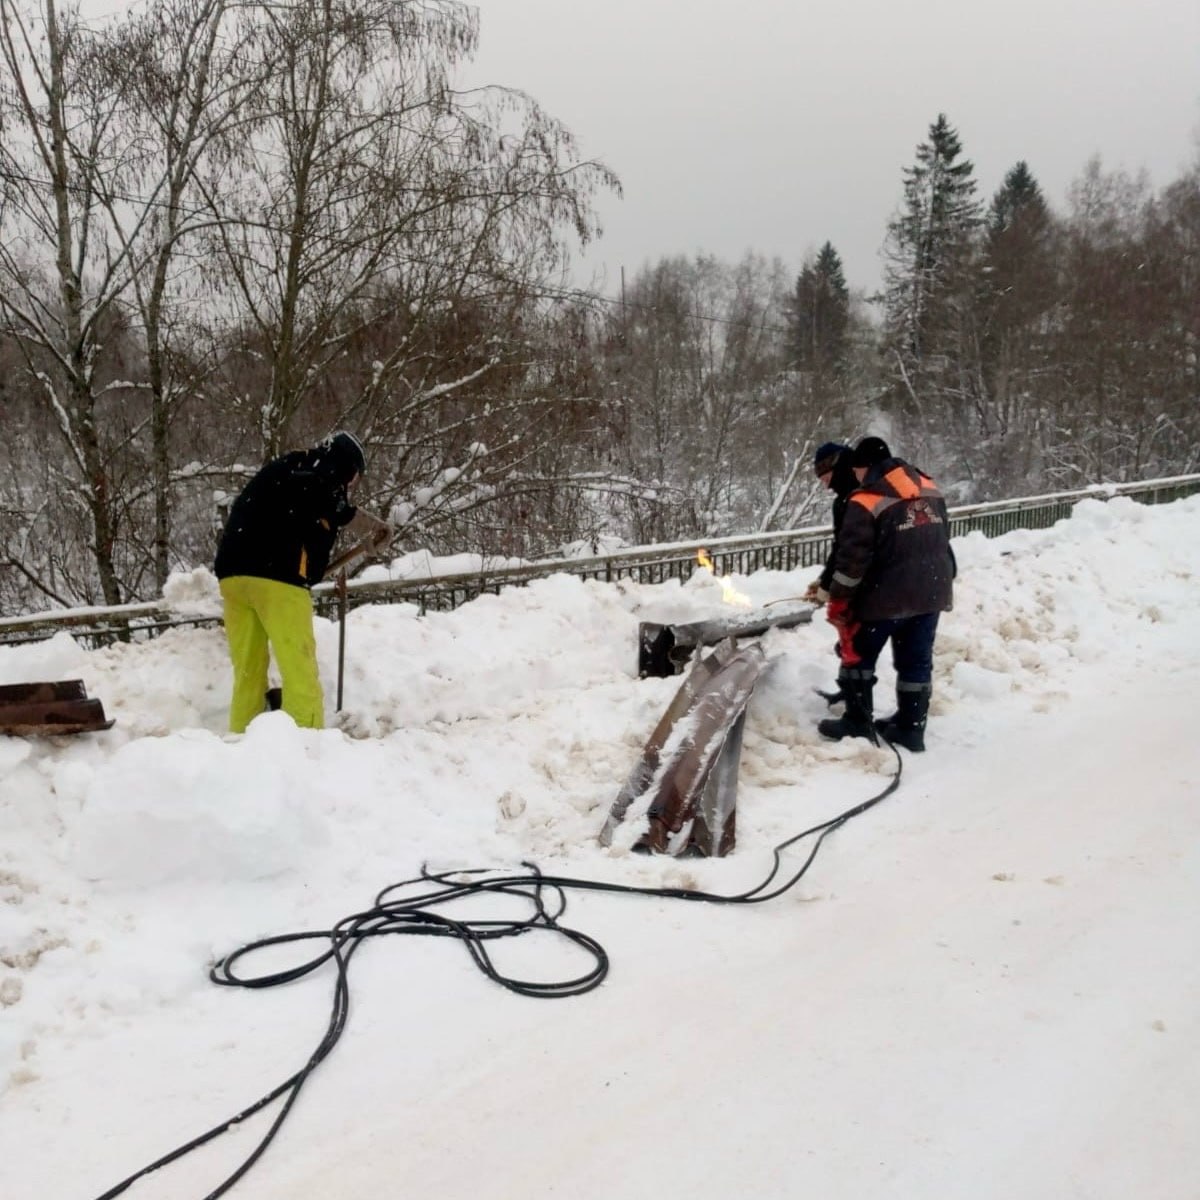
{"points": [[775, 125]]}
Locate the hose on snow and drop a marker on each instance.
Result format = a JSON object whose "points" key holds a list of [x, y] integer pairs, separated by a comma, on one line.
{"points": [[411, 908]]}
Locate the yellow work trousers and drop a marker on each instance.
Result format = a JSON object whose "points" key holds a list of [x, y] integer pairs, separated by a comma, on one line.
{"points": [[262, 611]]}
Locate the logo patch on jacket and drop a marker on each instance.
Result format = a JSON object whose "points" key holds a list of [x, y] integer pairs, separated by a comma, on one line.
{"points": [[919, 512]]}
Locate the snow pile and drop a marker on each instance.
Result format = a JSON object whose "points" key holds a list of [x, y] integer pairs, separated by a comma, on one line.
{"points": [[247, 814], [193, 593]]}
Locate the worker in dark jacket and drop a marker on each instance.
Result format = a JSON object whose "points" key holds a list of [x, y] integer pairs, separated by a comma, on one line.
{"points": [[893, 575], [276, 545], [831, 465]]}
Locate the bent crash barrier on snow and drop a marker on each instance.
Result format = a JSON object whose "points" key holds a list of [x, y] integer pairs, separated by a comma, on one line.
{"points": [[49, 709], [689, 767]]}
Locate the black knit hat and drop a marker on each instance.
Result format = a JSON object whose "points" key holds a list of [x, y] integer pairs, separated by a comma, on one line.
{"points": [[345, 455], [869, 451], [825, 459]]}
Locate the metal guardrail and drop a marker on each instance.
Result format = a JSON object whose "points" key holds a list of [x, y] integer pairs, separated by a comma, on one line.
{"points": [[743, 554]]}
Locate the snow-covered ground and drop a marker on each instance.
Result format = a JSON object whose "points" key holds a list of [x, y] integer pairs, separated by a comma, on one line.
{"points": [[985, 986]]}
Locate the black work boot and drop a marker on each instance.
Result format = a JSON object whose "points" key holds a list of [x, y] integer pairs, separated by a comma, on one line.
{"points": [[856, 685], [907, 727]]}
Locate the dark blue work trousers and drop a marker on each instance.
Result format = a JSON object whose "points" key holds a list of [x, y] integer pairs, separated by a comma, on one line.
{"points": [[912, 645]]}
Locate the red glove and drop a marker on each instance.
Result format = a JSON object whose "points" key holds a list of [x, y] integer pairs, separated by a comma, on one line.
{"points": [[837, 612]]}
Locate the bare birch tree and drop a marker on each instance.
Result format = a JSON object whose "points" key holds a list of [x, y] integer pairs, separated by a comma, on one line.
{"points": [[372, 184], [64, 145], [186, 81]]}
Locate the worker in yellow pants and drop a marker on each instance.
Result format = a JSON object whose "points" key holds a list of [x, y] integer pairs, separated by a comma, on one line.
{"points": [[258, 611], [276, 544]]}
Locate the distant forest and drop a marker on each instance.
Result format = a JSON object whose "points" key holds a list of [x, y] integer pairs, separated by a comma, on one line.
{"points": [[229, 228]]}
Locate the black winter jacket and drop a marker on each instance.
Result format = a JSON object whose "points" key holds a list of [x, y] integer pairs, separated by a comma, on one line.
{"points": [[843, 482], [893, 557], [284, 523]]}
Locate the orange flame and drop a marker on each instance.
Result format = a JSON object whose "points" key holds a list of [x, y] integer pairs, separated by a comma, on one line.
{"points": [[729, 593]]}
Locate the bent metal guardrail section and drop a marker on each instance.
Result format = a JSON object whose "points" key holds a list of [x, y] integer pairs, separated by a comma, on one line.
{"points": [[742, 554]]}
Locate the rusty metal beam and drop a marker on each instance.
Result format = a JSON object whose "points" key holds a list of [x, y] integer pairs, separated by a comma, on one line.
{"points": [[689, 767], [49, 708]]}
